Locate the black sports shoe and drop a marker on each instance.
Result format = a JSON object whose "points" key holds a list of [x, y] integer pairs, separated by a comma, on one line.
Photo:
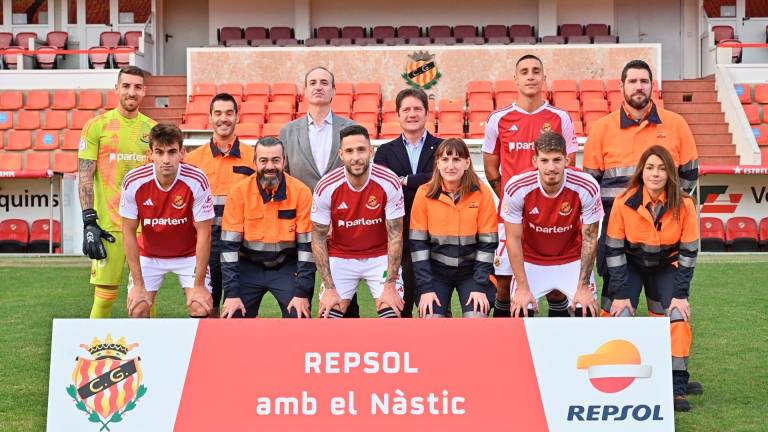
{"points": [[682, 404], [694, 388]]}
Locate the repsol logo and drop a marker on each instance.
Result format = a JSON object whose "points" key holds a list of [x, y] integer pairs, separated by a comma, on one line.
{"points": [[27, 200], [515, 146], [595, 413], [164, 221], [550, 230], [128, 157], [359, 222]]}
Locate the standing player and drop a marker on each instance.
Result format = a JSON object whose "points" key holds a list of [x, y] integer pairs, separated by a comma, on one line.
{"points": [[112, 144], [363, 202], [172, 201], [507, 151], [551, 216], [225, 162]]}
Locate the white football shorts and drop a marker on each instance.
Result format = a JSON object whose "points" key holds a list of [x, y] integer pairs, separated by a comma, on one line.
{"points": [[154, 269], [563, 277], [347, 273]]}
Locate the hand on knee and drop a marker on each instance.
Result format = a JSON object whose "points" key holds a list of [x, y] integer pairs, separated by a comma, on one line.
{"points": [[141, 310], [196, 310]]}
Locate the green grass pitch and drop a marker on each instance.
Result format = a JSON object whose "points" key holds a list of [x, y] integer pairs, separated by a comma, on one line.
{"points": [[730, 330]]}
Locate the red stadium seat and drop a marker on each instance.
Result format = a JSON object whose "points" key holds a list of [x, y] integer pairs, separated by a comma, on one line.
{"points": [[257, 92], [578, 128], [46, 57], [285, 92], [763, 233], [261, 42], [761, 93], [272, 129], [41, 237], [408, 31], [366, 111], [371, 128], [11, 100], [98, 57], [10, 161], [279, 112], [722, 32], [498, 40], [390, 130], [80, 118], [477, 90], [591, 89], [712, 233], [744, 92], [194, 125], [368, 91], [741, 234], [64, 99], [761, 134], [28, 120], [203, 92], [573, 107], [516, 30], [252, 33], [11, 57], [342, 106], [235, 89], [568, 30], [132, 38], [37, 100], [450, 130], [46, 140], [252, 112], [112, 100], [110, 39], [55, 120], [450, 111], [479, 110], [389, 112], [90, 100], [65, 162], [23, 38], [476, 130], [277, 33], [435, 31], [464, 31], [249, 130], [594, 109], [19, 140], [553, 40], [229, 33], [37, 161], [6, 39], [14, 235], [6, 120], [71, 139], [383, 32], [495, 30], [313, 42], [474, 40], [57, 39], [327, 32], [597, 30], [344, 89], [564, 90], [614, 101], [752, 112], [353, 32]]}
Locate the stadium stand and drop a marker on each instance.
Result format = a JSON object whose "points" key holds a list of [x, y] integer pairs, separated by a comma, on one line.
{"points": [[741, 234], [40, 236]]}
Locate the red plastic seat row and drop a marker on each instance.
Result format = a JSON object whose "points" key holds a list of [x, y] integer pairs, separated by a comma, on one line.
{"points": [[11, 100], [745, 94], [16, 236], [20, 140], [60, 161], [738, 234]]}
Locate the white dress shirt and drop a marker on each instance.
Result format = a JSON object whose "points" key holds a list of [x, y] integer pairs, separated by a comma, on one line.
{"points": [[320, 140]]}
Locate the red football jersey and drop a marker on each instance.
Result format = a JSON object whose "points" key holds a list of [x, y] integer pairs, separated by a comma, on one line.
{"points": [[167, 217], [357, 217], [552, 224], [511, 131]]}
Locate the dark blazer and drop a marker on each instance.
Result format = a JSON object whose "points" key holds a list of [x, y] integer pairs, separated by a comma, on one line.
{"points": [[394, 156], [301, 164]]}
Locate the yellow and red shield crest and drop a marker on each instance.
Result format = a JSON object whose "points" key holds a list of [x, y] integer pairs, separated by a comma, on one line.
{"points": [[421, 70]]}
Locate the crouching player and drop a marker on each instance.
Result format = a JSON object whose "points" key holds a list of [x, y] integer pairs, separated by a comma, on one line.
{"points": [[363, 204], [551, 216], [172, 201], [453, 235]]}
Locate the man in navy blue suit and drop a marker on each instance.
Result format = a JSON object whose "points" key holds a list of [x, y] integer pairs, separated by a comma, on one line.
{"points": [[412, 157]]}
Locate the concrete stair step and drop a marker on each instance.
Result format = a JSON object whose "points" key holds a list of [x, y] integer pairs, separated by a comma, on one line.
{"points": [[688, 85], [704, 118], [709, 107], [718, 160], [717, 128], [166, 79], [713, 138], [689, 97], [166, 90], [716, 150], [158, 113]]}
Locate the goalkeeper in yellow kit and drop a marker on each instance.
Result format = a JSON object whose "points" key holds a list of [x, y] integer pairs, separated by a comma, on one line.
{"points": [[112, 144]]}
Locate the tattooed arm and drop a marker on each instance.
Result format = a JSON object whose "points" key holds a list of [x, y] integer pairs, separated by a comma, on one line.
{"points": [[394, 248], [584, 295], [320, 251], [86, 172]]}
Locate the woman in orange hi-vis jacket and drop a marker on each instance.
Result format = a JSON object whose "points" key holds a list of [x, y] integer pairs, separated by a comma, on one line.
{"points": [[453, 235], [652, 242]]}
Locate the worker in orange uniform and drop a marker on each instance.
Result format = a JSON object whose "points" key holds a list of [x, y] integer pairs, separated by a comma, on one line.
{"points": [[652, 242], [266, 239], [225, 162], [453, 235]]}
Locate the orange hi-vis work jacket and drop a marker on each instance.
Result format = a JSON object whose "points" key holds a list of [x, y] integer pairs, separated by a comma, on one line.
{"points": [[268, 229], [635, 237], [446, 235]]}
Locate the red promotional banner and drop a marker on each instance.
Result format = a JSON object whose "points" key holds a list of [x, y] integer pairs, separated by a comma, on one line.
{"points": [[283, 378]]}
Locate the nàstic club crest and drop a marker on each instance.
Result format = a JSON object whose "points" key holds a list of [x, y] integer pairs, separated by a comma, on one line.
{"points": [[421, 70], [107, 385]]}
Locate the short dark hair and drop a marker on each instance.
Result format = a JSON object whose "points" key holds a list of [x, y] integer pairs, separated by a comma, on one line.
{"points": [[131, 70], [550, 142], [528, 57], [166, 134], [333, 79], [268, 141], [353, 130], [414, 93], [225, 97], [636, 64]]}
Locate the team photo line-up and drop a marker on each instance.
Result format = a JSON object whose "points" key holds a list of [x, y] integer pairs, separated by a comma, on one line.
{"points": [[412, 218]]}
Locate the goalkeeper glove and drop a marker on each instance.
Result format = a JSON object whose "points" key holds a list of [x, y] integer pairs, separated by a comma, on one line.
{"points": [[93, 247]]}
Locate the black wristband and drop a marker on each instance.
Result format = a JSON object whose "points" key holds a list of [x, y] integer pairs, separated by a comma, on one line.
{"points": [[89, 216]]}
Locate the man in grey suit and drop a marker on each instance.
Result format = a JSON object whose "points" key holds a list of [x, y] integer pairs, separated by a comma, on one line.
{"points": [[312, 142]]}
